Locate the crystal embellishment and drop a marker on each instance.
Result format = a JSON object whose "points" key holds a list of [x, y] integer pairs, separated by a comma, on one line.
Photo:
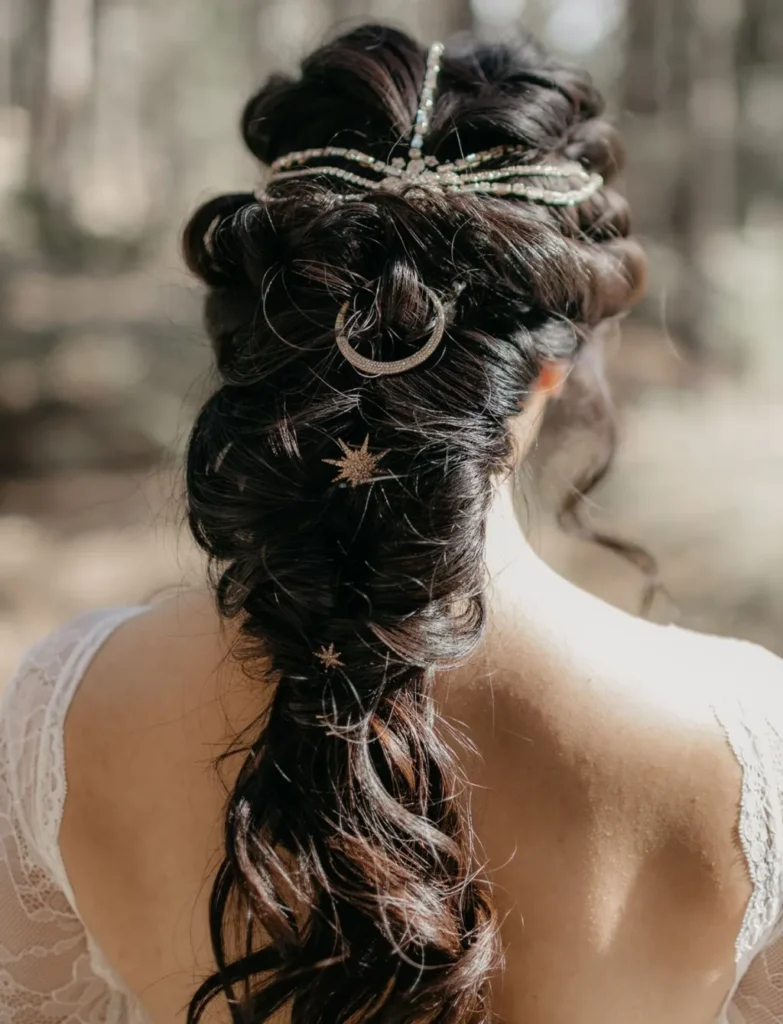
{"points": [[384, 368], [421, 125], [566, 184]]}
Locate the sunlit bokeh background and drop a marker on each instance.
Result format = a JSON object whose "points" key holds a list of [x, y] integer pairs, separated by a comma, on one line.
{"points": [[118, 116]]}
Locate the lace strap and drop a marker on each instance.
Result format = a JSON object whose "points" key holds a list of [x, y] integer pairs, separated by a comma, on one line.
{"points": [[33, 712], [751, 716]]}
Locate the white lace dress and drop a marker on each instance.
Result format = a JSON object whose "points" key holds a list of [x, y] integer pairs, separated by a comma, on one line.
{"points": [[50, 969], [51, 972]]}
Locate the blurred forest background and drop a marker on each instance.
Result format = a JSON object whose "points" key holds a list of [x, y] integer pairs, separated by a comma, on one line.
{"points": [[118, 116]]}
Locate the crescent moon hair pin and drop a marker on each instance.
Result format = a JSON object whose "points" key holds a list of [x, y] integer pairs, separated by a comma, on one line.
{"points": [[380, 368]]}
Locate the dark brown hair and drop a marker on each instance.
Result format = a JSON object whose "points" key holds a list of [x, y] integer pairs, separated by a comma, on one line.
{"points": [[350, 868]]}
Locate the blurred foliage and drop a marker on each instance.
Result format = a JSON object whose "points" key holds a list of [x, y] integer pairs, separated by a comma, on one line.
{"points": [[66, 245]]}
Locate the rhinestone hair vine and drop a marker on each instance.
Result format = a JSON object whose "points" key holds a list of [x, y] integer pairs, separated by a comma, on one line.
{"points": [[466, 175]]}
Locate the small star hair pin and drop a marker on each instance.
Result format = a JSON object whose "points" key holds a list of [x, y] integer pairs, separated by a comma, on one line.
{"points": [[329, 657], [358, 465]]}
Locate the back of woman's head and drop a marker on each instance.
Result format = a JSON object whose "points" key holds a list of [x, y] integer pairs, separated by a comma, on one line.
{"points": [[350, 867]]}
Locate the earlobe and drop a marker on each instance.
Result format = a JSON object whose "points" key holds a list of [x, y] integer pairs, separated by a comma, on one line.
{"points": [[552, 378]]}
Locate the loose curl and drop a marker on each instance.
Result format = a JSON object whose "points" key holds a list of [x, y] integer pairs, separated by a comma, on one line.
{"points": [[351, 869]]}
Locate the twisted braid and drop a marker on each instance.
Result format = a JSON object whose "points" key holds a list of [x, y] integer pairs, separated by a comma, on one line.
{"points": [[350, 859]]}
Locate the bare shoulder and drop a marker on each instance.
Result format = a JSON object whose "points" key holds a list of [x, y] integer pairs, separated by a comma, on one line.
{"points": [[692, 678], [720, 688], [666, 747], [149, 709], [141, 831], [607, 762], [630, 707]]}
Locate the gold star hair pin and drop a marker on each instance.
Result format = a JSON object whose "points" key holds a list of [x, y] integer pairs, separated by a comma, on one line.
{"points": [[329, 657], [358, 465]]}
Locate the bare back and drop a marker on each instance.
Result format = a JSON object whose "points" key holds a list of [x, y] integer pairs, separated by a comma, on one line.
{"points": [[605, 799]]}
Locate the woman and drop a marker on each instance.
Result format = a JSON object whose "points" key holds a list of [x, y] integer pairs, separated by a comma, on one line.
{"points": [[399, 770]]}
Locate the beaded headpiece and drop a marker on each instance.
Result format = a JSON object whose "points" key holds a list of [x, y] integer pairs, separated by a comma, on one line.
{"points": [[462, 175]]}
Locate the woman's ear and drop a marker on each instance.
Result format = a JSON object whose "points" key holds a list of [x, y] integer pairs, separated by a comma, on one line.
{"points": [[547, 385], [552, 377]]}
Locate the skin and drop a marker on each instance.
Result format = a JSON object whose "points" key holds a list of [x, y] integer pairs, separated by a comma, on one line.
{"points": [[605, 796]]}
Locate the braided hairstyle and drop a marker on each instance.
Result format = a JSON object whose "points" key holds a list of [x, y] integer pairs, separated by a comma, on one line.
{"points": [[350, 888]]}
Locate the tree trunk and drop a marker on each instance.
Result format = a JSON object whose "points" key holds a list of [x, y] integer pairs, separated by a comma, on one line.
{"points": [[30, 75], [641, 88], [759, 63], [680, 88]]}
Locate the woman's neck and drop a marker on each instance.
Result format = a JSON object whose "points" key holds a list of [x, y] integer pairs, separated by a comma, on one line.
{"points": [[507, 550], [525, 596], [531, 607]]}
